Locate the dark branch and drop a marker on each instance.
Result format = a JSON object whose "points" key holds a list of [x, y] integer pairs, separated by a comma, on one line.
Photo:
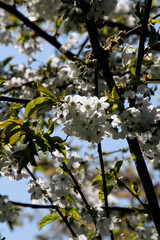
{"points": [[120, 210], [12, 99]]}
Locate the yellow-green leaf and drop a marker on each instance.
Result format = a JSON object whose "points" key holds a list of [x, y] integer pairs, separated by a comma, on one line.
{"points": [[7, 123], [14, 138], [115, 94], [35, 105], [47, 219], [45, 92], [97, 179]]}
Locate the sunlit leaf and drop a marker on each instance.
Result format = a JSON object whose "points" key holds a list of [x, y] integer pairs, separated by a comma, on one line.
{"points": [[115, 94], [97, 180], [51, 127], [8, 122], [45, 92], [48, 219], [35, 105], [14, 138]]}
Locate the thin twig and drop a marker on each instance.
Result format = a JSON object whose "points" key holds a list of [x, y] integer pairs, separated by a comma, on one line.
{"points": [[129, 190], [104, 185], [82, 46]]}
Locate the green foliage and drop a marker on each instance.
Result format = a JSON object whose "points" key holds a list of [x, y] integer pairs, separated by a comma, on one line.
{"points": [[25, 156], [110, 187], [35, 105], [115, 101], [153, 41], [48, 219], [45, 92]]}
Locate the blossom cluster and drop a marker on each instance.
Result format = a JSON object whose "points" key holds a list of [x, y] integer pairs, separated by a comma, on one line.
{"points": [[83, 117]]}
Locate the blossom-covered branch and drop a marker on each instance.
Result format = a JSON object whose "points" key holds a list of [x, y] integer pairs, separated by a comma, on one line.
{"points": [[51, 39]]}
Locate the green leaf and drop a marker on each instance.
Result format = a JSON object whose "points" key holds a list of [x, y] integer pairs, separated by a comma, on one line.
{"points": [[51, 127], [74, 214], [57, 139], [97, 180], [134, 187], [35, 105], [156, 47], [14, 138], [8, 122], [118, 166], [59, 22], [7, 60], [115, 94], [45, 92], [133, 71], [20, 156], [110, 187], [154, 36], [48, 219]]}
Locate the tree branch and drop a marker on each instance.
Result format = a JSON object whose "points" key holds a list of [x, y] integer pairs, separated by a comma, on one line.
{"points": [[142, 170], [51, 39], [12, 99], [120, 210]]}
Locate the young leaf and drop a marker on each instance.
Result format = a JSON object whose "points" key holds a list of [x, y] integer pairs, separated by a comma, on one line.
{"points": [[154, 36], [110, 187], [117, 166], [35, 105], [97, 180], [51, 127], [45, 92], [115, 94], [48, 219]]}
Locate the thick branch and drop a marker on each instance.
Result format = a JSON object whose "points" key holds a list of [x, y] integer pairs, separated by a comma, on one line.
{"points": [[142, 170], [51, 39]]}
